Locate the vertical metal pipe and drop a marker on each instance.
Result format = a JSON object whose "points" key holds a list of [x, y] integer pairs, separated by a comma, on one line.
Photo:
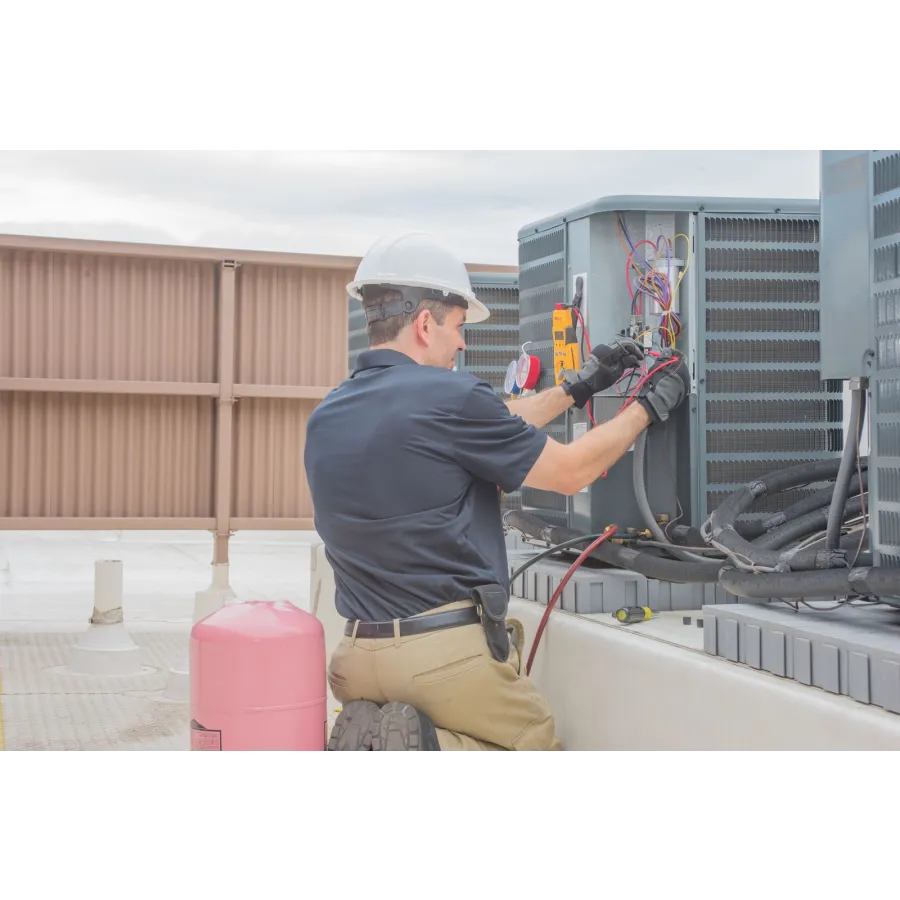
{"points": [[225, 417]]}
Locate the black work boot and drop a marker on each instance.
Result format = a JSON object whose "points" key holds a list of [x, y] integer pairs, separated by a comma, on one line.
{"points": [[403, 727], [356, 726]]}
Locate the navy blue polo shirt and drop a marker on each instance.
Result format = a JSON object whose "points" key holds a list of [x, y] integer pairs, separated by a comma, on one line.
{"points": [[403, 462]]}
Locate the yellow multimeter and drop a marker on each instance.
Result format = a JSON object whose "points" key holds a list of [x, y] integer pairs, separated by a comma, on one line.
{"points": [[565, 343]]}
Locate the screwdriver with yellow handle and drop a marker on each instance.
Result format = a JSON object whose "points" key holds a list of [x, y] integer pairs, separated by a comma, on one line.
{"points": [[628, 615]]}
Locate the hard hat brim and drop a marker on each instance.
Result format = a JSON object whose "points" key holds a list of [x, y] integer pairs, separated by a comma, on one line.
{"points": [[475, 312]]}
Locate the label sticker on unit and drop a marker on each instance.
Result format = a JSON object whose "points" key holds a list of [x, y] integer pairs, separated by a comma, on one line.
{"points": [[204, 738]]}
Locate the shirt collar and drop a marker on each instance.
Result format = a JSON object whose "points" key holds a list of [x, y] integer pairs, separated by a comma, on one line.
{"points": [[376, 359]]}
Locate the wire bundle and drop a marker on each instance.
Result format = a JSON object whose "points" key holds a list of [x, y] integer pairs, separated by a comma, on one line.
{"points": [[644, 280]]}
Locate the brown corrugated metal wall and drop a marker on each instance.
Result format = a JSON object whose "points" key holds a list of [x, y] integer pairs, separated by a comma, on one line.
{"points": [[163, 387]]}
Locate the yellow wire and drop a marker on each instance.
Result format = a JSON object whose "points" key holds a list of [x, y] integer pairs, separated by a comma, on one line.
{"points": [[687, 262]]}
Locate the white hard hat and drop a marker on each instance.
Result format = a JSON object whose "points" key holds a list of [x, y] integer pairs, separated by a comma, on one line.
{"points": [[419, 261]]}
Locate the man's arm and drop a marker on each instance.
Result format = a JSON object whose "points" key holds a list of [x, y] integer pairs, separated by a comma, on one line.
{"points": [[567, 468], [603, 368], [539, 409]]}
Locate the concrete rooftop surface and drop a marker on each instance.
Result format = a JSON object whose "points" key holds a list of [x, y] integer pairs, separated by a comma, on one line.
{"points": [[46, 599]]}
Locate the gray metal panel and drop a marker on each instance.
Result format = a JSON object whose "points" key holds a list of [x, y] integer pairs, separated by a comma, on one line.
{"points": [[884, 287], [491, 345], [845, 334], [656, 203], [853, 651], [595, 252], [542, 284]]}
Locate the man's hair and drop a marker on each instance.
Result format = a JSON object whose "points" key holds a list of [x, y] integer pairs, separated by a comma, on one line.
{"points": [[385, 330]]}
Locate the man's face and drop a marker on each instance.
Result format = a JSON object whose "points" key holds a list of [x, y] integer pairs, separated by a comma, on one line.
{"points": [[446, 339]]}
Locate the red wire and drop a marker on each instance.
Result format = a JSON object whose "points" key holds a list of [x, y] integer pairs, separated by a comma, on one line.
{"points": [[641, 382], [587, 341], [558, 592]]}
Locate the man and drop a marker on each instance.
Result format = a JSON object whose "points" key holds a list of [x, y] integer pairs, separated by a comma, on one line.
{"points": [[404, 460]]}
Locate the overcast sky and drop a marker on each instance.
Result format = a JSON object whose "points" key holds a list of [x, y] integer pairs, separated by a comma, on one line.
{"points": [[340, 203]]}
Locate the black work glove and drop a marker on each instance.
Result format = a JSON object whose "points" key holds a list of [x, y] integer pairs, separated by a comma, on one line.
{"points": [[665, 388], [604, 367]]}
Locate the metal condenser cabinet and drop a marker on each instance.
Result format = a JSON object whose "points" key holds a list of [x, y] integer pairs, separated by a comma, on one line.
{"points": [[747, 313]]}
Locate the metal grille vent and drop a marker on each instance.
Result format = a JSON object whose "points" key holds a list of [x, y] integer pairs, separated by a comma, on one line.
{"points": [[537, 499], [887, 396], [886, 174], [887, 219], [887, 263], [889, 484], [542, 285], [763, 412], [772, 381], [888, 439], [358, 334], [887, 305], [743, 471], [889, 527], [782, 440], [750, 230], [884, 202], [762, 351], [888, 352], [743, 260], [495, 357], [538, 302], [544, 273], [542, 276], [359, 342], [538, 247], [492, 337], [741, 320], [761, 290], [506, 316]]}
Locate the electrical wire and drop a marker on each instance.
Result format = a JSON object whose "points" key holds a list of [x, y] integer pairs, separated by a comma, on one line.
{"points": [[562, 585], [645, 376], [649, 282], [565, 545]]}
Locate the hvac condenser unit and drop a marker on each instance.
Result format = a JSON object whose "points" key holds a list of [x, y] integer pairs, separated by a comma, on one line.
{"points": [[491, 345], [734, 285], [861, 314], [358, 335]]}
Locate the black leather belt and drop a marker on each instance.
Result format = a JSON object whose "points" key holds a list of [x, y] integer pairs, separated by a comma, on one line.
{"points": [[415, 625]]}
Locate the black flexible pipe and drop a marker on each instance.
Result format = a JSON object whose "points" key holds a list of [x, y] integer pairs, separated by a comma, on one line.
{"points": [[805, 526], [879, 582], [644, 562], [719, 528], [639, 483], [818, 500], [848, 466]]}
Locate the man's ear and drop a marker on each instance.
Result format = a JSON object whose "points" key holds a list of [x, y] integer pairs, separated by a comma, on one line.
{"points": [[424, 325]]}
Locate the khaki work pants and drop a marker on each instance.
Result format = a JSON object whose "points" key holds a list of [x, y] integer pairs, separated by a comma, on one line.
{"points": [[475, 702]]}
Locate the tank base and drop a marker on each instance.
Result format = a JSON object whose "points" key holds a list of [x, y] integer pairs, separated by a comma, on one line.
{"points": [[106, 651], [178, 683]]}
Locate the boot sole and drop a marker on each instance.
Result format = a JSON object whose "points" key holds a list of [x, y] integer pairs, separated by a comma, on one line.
{"points": [[356, 726], [402, 727]]}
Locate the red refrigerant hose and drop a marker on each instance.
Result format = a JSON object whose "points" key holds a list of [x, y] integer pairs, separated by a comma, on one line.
{"points": [[562, 586]]}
